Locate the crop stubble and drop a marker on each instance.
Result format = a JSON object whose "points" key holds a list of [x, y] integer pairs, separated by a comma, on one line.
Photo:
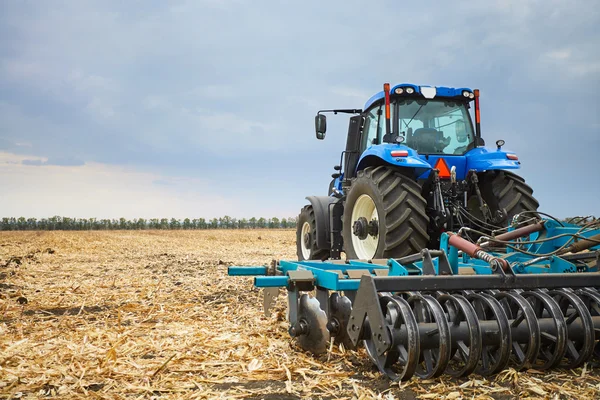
{"points": [[129, 314]]}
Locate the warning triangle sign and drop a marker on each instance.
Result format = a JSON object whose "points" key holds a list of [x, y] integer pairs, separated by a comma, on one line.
{"points": [[441, 166]]}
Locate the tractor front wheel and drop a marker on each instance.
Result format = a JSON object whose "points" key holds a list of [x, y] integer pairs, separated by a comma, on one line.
{"points": [[384, 215], [306, 237]]}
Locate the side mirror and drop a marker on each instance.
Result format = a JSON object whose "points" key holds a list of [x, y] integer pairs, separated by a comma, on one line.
{"points": [[320, 126]]}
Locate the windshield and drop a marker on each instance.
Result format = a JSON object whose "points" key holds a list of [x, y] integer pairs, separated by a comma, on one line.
{"points": [[434, 126]]}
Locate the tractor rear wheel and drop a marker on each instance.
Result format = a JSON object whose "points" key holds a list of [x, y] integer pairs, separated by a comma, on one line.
{"points": [[512, 194], [306, 237], [384, 215]]}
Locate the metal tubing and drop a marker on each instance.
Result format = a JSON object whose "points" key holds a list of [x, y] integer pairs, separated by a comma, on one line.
{"points": [[462, 244], [489, 332], [520, 232], [270, 281], [475, 251], [485, 282], [584, 244], [246, 271]]}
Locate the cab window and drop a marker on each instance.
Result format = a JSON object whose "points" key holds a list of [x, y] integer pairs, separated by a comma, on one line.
{"points": [[372, 131]]}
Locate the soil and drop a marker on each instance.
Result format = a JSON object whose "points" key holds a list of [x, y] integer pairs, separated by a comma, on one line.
{"points": [[153, 314]]}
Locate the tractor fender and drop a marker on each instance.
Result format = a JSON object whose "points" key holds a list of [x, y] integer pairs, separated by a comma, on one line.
{"points": [[381, 154], [482, 159], [320, 206]]}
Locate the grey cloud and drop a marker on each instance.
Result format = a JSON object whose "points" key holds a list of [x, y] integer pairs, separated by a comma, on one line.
{"points": [[57, 161], [36, 163], [229, 88]]}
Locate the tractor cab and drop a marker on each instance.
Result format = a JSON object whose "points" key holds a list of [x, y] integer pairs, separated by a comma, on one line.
{"points": [[429, 126], [429, 120]]}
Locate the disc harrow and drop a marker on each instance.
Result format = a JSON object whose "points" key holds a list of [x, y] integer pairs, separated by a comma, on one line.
{"points": [[527, 298]]}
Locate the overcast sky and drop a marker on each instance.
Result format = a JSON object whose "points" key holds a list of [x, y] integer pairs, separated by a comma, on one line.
{"points": [[203, 108]]}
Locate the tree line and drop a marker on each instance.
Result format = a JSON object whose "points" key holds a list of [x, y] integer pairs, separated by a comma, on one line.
{"points": [[81, 224]]}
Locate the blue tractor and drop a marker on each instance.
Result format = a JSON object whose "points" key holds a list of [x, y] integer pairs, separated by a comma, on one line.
{"points": [[414, 167]]}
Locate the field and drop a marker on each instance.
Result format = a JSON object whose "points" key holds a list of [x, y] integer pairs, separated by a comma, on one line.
{"points": [[152, 314]]}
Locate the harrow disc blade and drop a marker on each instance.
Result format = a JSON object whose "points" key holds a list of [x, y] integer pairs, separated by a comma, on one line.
{"points": [[519, 312], [400, 361], [316, 337], [495, 355], [553, 343], [465, 353], [340, 308], [581, 349], [433, 361]]}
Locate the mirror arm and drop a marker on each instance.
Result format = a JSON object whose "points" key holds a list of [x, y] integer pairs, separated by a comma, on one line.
{"points": [[342, 110]]}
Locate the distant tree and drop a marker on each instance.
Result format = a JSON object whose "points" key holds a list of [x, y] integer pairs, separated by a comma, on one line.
{"points": [[261, 223], [292, 221], [141, 223], [274, 223], [32, 224], [226, 222], [174, 224]]}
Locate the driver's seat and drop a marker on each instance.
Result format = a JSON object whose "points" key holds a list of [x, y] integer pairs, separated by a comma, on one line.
{"points": [[427, 141]]}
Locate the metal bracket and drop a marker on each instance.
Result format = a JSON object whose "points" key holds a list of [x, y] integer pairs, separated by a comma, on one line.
{"points": [[301, 279], [366, 304], [336, 209], [427, 265], [269, 299]]}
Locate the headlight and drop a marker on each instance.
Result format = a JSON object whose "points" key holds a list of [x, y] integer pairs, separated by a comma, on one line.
{"points": [[410, 90], [466, 93], [399, 90], [471, 96]]}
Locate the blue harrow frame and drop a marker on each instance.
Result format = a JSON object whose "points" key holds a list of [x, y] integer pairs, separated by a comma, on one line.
{"points": [[529, 296]]}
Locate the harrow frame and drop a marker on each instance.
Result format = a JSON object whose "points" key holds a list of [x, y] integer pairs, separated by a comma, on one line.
{"points": [[466, 307]]}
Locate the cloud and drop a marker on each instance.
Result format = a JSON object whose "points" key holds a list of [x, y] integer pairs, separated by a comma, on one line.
{"points": [[36, 163], [58, 161], [227, 90], [101, 191]]}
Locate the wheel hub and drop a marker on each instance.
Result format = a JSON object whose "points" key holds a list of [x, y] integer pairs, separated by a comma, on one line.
{"points": [[306, 239], [363, 228], [360, 228], [373, 228]]}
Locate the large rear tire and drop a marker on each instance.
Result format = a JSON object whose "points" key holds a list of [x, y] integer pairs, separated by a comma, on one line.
{"points": [[512, 194], [384, 215], [306, 237]]}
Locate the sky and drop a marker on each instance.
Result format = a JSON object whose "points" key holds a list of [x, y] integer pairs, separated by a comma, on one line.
{"points": [[205, 108]]}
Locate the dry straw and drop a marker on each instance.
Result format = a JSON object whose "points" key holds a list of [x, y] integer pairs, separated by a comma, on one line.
{"points": [[152, 314]]}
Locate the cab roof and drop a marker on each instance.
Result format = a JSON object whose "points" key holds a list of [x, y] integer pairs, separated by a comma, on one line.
{"points": [[440, 91]]}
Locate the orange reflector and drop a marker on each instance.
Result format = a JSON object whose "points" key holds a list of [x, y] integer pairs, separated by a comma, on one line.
{"points": [[441, 166], [399, 153], [512, 156]]}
